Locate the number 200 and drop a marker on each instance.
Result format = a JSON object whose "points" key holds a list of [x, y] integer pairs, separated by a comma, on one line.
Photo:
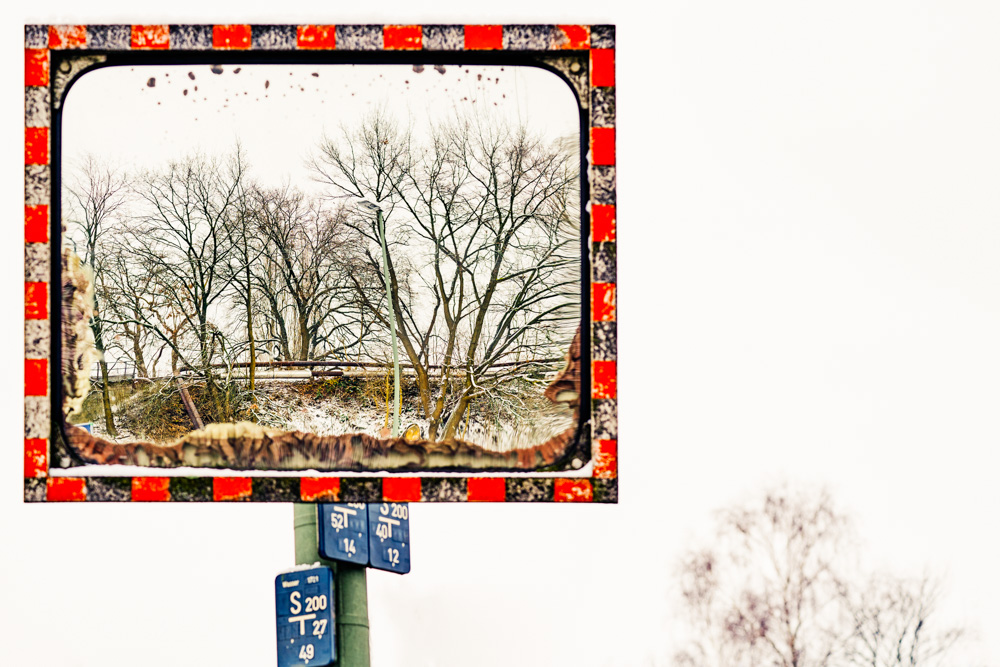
{"points": [[313, 603], [398, 511]]}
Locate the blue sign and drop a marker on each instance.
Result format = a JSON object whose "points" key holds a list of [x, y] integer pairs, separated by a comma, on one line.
{"points": [[389, 536], [343, 532], [304, 603]]}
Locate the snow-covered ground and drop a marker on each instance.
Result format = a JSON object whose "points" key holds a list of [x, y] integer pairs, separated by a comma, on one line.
{"points": [[283, 405]]}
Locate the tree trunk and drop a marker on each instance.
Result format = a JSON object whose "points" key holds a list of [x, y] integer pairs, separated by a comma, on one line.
{"points": [[444, 379], [189, 404], [303, 348], [444, 388], [253, 349], [253, 360], [455, 419], [434, 418], [109, 420], [211, 389], [284, 349], [463, 402], [140, 359]]}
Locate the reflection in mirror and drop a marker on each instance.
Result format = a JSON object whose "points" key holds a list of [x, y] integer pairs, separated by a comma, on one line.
{"points": [[321, 266]]}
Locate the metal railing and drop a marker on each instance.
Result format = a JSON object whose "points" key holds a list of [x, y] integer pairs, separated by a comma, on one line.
{"points": [[118, 371], [371, 364], [290, 370]]}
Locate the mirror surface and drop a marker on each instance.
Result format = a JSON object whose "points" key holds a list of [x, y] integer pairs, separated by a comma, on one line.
{"points": [[248, 245]]}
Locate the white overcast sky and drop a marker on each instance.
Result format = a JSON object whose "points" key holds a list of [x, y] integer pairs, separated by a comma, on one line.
{"points": [[281, 113], [810, 227]]}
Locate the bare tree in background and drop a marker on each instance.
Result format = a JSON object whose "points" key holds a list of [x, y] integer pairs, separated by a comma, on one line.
{"points": [[303, 274], [780, 588], [517, 258], [182, 235], [481, 247], [894, 624], [761, 597], [94, 196], [128, 296], [143, 309], [247, 251]]}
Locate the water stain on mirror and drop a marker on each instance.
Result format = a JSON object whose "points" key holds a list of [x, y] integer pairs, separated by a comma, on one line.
{"points": [[329, 267]]}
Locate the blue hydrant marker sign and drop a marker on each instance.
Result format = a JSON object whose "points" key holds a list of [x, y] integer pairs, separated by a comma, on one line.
{"points": [[305, 613], [389, 536], [343, 532]]}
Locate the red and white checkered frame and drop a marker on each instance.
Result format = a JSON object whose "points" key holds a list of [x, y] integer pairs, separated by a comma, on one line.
{"points": [[600, 212]]}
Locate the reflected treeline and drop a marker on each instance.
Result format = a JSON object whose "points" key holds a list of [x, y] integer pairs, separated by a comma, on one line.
{"points": [[201, 270]]}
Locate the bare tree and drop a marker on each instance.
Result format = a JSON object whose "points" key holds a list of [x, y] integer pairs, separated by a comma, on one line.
{"points": [[247, 252], [893, 624], [94, 195], [302, 274], [761, 596], [781, 587], [128, 295], [481, 250], [517, 258], [182, 235]]}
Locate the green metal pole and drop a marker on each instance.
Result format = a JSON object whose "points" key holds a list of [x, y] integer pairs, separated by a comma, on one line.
{"points": [[351, 584], [392, 321]]}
